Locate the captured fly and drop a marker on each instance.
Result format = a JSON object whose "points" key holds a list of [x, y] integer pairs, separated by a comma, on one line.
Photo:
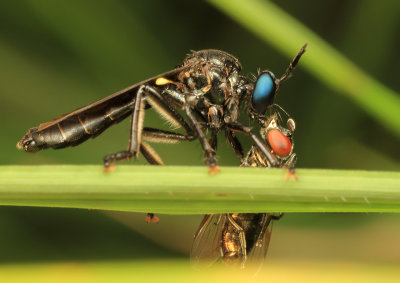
{"points": [[203, 94], [280, 140], [236, 239], [242, 239]]}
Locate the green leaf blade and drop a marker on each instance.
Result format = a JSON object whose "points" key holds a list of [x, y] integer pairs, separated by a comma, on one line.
{"points": [[191, 190]]}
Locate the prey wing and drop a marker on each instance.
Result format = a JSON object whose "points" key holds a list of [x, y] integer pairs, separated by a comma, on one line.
{"points": [[258, 253], [206, 248]]}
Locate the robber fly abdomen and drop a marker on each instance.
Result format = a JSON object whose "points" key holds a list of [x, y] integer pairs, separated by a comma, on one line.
{"points": [[76, 127], [207, 88]]}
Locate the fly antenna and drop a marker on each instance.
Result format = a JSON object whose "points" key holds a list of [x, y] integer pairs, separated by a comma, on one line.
{"points": [[283, 110], [293, 64]]}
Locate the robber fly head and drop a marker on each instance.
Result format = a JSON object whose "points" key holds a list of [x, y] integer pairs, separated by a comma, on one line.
{"points": [[267, 85]]}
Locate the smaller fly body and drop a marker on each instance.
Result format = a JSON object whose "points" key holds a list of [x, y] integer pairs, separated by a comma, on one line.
{"points": [[236, 239], [280, 140], [242, 239]]}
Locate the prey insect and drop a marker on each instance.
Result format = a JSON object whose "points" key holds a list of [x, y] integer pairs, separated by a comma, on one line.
{"points": [[237, 239], [201, 95], [280, 140], [242, 239]]}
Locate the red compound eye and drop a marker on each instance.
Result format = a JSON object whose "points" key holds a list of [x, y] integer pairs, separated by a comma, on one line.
{"points": [[279, 143]]}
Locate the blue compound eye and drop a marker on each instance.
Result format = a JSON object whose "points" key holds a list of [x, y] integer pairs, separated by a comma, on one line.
{"points": [[264, 92]]}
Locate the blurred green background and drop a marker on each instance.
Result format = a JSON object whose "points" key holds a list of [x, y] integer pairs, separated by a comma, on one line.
{"points": [[59, 55]]}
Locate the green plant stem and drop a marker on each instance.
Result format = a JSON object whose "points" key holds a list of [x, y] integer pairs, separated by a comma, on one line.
{"points": [[191, 190], [287, 34]]}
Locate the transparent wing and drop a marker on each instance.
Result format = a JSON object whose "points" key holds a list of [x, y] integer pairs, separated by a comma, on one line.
{"points": [[206, 248], [258, 253]]}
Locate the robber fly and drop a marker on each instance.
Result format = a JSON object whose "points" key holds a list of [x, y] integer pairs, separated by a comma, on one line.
{"points": [[242, 239], [202, 94]]}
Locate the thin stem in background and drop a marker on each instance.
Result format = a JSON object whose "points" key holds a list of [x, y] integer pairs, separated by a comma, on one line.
{"points": [[287, 34]]}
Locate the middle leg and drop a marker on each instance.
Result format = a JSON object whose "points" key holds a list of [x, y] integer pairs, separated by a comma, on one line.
{"points": [[209, 152]]}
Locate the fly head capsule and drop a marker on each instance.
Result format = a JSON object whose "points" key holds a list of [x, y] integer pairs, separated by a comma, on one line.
{"points": [[279, 143], [279, 138]]}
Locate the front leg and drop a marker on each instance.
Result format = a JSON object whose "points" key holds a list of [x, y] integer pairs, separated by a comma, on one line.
{"points": [[237, 127]]}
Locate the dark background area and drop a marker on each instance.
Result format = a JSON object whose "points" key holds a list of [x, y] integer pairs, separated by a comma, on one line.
{"points": [[58, 56]]}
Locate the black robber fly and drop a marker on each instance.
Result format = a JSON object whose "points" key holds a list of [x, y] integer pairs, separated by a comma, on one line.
{"points": [[242, 239], [203, 94]]}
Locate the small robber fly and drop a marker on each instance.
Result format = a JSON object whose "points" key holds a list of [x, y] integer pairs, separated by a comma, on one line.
{"points": [[201, 95], [242, 239]]}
